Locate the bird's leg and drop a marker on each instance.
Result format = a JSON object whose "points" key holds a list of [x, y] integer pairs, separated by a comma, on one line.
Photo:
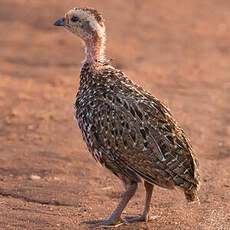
{"points": [[145, 214], [115, 218]]}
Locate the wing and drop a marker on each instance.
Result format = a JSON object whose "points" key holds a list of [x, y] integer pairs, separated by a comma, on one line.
{"points": [[137, 131]]}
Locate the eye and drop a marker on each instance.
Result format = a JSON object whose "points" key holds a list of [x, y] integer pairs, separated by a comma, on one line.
{"points": [[75, 19]]}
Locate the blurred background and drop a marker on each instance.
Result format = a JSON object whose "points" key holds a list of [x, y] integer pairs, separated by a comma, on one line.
{"points": [[179, 50]]}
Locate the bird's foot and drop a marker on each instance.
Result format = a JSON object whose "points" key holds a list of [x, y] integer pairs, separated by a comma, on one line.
{"points": [[141, 218], [108, 223]]}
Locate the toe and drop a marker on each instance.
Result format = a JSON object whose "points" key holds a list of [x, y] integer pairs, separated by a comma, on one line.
{"points": [[141, 218], [136, 218], [93, 222], [104, 223]]}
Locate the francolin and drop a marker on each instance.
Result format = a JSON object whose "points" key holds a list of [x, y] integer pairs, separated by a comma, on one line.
{"points": [[126, 129]]}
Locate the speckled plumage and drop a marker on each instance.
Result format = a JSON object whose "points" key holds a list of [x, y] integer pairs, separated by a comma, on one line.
{"points": [[126, 129], [131, 132]]}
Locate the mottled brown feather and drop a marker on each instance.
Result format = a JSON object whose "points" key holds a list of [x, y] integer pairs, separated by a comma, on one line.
{"points": [[132, 133]]}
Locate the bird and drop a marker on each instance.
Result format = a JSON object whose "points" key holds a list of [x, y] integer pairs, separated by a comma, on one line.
{"points": [[126, 129]]}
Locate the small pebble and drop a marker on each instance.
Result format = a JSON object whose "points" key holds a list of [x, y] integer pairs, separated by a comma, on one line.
{"points": [[35, 177]]}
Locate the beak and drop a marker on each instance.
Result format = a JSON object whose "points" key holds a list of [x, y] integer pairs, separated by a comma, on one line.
{"points": [[60, 22]]}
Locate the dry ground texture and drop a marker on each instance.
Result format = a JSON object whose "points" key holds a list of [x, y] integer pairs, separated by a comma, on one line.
{"points": [[177, 49]]}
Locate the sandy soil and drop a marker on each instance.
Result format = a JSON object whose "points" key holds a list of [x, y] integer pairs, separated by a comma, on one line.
{"points": [[177, 49]]}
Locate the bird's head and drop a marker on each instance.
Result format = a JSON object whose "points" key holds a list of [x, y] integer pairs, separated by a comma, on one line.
{"points": [[84, 22]]}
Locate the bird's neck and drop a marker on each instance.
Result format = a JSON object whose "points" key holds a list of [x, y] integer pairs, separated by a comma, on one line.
{"points": [[95, 48]]}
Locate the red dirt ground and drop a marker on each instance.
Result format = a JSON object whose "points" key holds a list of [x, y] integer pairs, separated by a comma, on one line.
{"points": [[179, 50]]}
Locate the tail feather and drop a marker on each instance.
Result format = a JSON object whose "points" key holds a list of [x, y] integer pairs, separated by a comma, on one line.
{"points": [[191, 193]]}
